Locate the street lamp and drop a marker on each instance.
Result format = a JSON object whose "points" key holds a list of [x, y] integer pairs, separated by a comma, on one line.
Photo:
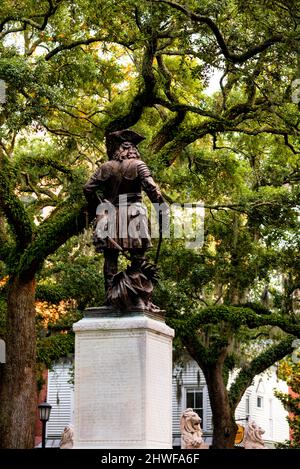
{"points": [[44, 414]]}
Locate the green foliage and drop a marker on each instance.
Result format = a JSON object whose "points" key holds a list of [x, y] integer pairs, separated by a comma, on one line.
{"points": [[290, 372], [49, 292], [74, 272], [74, 71], [51, 349]]}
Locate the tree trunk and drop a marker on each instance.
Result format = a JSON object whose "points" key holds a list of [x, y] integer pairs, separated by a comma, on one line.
{"points": [[18, 386], [224, 426]]}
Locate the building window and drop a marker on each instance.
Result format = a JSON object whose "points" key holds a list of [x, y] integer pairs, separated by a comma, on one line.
{"points": [[270, 418], [247, 407], [259, 402], [194, 399]]}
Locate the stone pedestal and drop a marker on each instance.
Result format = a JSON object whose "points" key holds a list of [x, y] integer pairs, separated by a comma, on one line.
{"points": [[123, 381]]}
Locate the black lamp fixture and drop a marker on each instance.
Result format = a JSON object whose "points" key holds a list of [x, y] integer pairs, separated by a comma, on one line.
{"points": [[44, 415]]}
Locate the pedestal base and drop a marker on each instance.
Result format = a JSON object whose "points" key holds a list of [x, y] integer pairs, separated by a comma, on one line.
{"points": [[123, 382]]}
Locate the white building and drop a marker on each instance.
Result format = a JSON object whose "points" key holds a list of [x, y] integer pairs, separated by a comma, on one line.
{"points": [[258, 403], [189, 390], [60, 395]]}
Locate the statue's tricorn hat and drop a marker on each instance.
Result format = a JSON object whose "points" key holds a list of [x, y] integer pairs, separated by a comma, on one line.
{"points": [[114, 139], [125, 136]]}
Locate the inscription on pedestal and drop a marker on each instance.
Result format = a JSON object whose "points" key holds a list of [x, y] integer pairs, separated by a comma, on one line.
{"points": [[112, 377], [123, 375]]}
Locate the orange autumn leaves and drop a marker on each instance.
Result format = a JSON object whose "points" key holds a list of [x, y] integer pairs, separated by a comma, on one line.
{"points": [[51, 313]]}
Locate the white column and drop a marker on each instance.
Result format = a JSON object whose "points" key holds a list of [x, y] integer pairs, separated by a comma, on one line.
{"points": [[123, 383]]}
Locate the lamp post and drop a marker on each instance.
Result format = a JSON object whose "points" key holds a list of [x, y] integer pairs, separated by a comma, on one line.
{"points": [[44, 414]]}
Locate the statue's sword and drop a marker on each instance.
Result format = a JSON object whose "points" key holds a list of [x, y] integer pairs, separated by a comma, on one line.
{"points": [[159, 239], [111, 240]]}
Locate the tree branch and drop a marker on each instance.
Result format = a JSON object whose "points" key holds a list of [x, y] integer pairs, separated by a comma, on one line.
{"points": [[79, 117], [185, 52], [82, 42], [167, 132], [195, 348], [33, 47], [144, 97], [235, 150], [185, 137], [234, 58], [288, 144], [169, 128], [14, 30], [238, 316], [6, 246], [44, 160], [30, 21], [259, 364], [232, 123], [179, 107], [38, 190], [66, 220], [62, 132], [12, 207], [166, 77], [262, 130], [232, 117]]}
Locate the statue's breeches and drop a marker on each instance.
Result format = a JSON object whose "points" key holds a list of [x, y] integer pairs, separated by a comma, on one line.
{"points": [[126, 225]]}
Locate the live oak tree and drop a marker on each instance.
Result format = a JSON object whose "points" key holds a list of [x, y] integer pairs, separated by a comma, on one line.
{"points": [[76, 70]]}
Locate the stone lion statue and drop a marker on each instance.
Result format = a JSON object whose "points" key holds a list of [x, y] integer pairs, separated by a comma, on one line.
{"points": [[67, 438], [253, 436], [191, 433]]}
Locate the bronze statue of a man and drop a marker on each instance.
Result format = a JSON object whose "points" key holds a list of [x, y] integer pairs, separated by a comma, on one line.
{"points": [[114, 192]]}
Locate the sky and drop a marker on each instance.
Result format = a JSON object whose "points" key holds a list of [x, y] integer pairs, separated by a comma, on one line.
{"points": [[214, 82]]}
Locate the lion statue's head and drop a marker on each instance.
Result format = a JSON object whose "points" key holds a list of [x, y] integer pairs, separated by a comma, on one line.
{"points": [[253, 436], [67, 438], [191, 433]]}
